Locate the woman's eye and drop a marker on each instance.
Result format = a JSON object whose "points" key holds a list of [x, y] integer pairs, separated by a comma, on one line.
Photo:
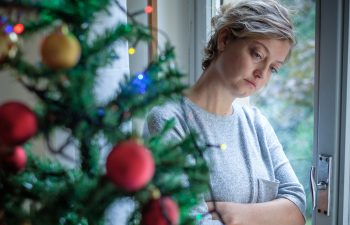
{"points": [[274, 70], [257, 55]]}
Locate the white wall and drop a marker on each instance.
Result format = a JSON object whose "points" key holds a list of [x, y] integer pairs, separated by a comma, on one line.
{"points": [[139, 60], [174, 19], [187, 23]]}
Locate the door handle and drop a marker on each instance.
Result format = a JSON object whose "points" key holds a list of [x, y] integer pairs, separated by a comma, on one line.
{"points": [[313, 187], [320, 180]]}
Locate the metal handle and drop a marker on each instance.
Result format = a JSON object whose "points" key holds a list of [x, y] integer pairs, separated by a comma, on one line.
{"points": [[313, 187], [320, 180]]}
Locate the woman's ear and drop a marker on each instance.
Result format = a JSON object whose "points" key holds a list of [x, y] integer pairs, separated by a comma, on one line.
{"points": [[223, 36]]}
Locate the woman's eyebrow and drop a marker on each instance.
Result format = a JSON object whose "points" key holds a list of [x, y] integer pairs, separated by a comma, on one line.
{"points": [[262, 45]]}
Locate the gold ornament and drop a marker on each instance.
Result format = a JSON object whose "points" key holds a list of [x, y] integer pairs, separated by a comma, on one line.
{"points": [[60, 49], [8, 45]]}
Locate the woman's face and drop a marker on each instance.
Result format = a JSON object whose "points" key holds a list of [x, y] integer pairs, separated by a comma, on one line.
{"points": [[245, 65]]}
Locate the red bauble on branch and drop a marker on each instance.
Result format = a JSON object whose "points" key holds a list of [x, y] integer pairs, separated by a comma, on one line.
{"points": [[15, 161], [130, 165], [18, 123], [162, 211]]}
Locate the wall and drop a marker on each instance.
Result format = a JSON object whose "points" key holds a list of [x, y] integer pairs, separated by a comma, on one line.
{"points": [[174, 19]]}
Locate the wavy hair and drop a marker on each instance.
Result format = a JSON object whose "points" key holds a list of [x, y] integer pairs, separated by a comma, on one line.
{"points": [[249, 19]]}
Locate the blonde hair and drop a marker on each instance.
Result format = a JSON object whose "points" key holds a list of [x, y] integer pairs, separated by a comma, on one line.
{"points": [[249, 19]]}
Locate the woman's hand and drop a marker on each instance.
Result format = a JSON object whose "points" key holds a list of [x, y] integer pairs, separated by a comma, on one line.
{"points": [[277, 212], [225, 209]]}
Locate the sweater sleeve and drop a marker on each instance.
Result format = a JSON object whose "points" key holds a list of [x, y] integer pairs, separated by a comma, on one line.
{"points": [[155, 121], [289, 185], [205, 218]]}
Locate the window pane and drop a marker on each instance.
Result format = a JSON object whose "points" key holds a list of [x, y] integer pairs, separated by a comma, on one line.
{"points": [[288, 99]]}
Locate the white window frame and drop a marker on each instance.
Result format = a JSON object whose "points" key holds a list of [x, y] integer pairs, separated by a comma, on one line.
{"points": [[332, 104], [200, 11]]}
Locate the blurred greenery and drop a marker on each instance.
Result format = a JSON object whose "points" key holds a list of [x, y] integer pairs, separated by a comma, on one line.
{"points": [[288, 100]]}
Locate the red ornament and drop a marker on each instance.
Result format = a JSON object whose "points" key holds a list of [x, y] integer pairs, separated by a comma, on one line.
{"points": [[162, 211], [15, 161], [130, 165], [18, 123]]}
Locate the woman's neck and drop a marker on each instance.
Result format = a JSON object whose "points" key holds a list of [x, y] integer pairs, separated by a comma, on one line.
{"points": [[209, 94]]}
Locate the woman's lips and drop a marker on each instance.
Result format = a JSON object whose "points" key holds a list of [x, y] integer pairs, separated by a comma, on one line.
{"points": [[251, 83]]}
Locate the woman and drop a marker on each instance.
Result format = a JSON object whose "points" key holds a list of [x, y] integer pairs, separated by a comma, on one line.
{"points": [[252, 180]]}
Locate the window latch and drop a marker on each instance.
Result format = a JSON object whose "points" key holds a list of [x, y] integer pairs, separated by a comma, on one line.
{"points": [[320, 184]]}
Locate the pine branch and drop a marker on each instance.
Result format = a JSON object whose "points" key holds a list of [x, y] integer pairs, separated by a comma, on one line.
{"points": [[58, 195]]}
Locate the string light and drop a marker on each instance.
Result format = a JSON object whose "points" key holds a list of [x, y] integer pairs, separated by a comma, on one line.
{"points": [[13, 37], [3, 19], [8, 29], [199, 217], [101, 112], [140, 76], [18, 28], [140, 83], [155, 193], [148, 9], [131, 51], [223, 147]]}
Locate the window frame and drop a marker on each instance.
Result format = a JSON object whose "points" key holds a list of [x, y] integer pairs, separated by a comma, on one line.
{"points": [[332, 104]]}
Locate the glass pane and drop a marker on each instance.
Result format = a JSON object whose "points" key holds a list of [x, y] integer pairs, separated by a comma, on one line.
{"points": [[288, 99]]}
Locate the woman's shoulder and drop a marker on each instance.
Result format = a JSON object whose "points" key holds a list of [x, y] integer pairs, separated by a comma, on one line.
{"points": [[167, 110], [158, 115], [250, 112]]}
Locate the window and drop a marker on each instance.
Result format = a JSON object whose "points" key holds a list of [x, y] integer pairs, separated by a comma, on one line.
{"points": [[288, 99]]}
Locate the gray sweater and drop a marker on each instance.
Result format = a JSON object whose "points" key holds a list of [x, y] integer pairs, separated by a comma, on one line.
{"points": [[253, 168]]}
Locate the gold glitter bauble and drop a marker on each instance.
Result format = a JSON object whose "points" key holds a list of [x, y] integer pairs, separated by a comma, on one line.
{"points": [[60, 50]]}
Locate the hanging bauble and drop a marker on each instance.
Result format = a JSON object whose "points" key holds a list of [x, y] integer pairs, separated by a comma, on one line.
{"points": [[130, 165], [60, 49], [18, 123], [8, 45], [162, 211], [15, 161]]}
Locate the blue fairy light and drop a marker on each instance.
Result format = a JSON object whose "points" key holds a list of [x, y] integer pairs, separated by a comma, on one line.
{"points": [[8, 29], [140, 83], [140, 76], [3, 19], [101, 112]]}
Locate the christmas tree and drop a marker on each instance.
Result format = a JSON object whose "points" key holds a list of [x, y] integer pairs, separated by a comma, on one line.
{"points": [[163, 179]]}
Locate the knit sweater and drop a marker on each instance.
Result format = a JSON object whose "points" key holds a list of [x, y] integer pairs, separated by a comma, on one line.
{"points": [[253, 168]]}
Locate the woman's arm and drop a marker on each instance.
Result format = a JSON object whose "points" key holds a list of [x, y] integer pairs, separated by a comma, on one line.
{"points": [[277, 212]]}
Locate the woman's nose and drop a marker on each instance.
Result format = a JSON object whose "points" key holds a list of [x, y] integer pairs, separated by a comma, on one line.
{"points": [[261, 72], [257, 74]]}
